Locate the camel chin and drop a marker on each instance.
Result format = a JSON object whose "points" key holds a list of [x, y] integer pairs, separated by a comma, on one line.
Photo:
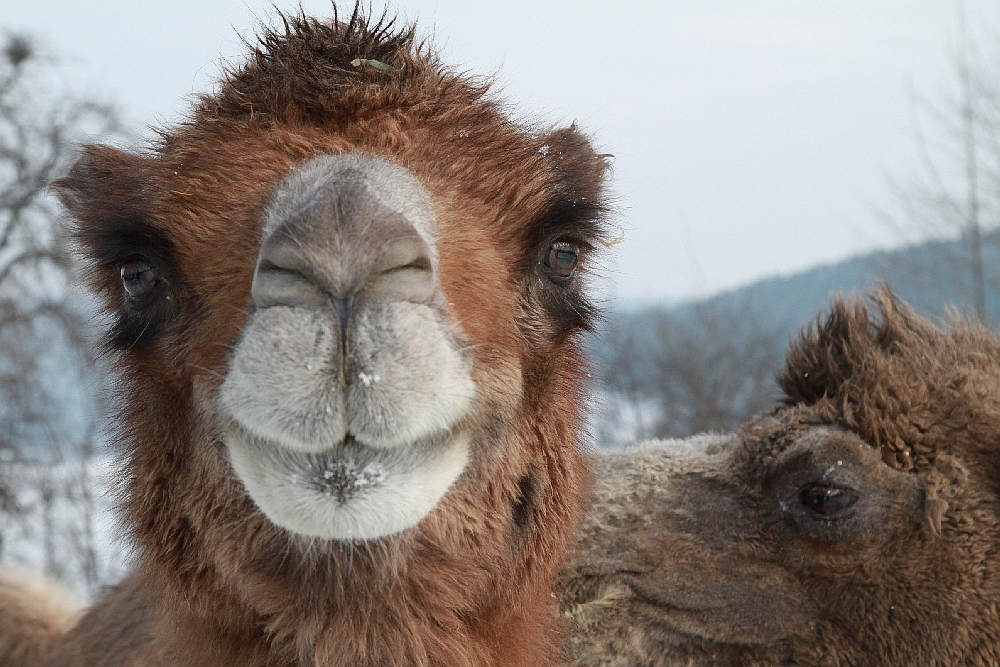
{"points": [[351, 491]]}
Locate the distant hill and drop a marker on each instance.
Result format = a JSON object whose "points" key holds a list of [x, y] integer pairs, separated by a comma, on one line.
{"points": [[931, 277], [710, 364]]}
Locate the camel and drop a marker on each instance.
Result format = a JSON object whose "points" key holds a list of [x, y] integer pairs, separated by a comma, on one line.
{"points": [[858, 524], [38, 610], [345, 296]]}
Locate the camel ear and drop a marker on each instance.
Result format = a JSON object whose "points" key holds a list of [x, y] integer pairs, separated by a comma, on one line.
{"points": [[102, 180], [817, 363], [582, 169], [101, 191]]}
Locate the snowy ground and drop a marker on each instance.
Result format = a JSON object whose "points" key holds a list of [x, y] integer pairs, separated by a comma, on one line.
{"points": [[67, 526], [614, 420]]}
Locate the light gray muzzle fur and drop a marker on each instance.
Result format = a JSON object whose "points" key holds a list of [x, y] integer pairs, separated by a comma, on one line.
{"points": [[347, 391]]}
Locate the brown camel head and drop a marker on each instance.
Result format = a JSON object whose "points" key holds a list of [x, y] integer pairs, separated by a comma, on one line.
{"points": [[857, 524], [345, 297]]}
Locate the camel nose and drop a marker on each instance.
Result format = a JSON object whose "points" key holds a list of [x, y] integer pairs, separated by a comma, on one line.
{"points": [[346, 230], [344, 306]]}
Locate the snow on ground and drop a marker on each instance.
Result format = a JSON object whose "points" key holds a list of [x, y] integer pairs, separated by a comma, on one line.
{"points": [[67, 524], [616, 420]]}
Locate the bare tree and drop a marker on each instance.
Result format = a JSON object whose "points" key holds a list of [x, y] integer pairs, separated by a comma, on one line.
{"points": [[703, 367], [48, 402], [954, 197]]}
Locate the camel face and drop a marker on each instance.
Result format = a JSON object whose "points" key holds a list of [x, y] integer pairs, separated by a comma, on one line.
{"points": [[348, 388], [350, 321], [667, 575], [345, 298], [806, 538]]}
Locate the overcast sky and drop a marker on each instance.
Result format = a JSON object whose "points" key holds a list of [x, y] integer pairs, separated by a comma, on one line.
{"points": [[751, 138]]}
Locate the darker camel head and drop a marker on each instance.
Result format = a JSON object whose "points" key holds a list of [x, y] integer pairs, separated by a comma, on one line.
{"points": [[855, 525]]}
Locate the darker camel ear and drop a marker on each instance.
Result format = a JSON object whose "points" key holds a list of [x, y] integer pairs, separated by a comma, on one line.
{"points": [[102, 180], [102, 192], [819, 360]]}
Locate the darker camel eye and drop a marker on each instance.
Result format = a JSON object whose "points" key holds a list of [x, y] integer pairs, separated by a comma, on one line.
{"points": [[138, 278], [563, 258], [827, 500]]}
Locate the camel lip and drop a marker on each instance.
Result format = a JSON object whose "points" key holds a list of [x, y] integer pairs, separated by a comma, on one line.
{"points": [[704, 619], [645, 593], [688, 624], [349, 442], [347, 446], [350, 491]]}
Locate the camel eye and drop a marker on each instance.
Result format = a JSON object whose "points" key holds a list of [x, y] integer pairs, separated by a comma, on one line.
{"points": [[138, 278], [563, 258], [827, 500]]}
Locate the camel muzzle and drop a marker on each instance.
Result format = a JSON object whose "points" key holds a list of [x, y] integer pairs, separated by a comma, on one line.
{"points": [[349, 387]]}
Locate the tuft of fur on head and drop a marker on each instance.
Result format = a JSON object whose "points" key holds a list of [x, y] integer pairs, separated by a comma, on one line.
{"points": [[326, 72], [34, 613], [898, 380]]}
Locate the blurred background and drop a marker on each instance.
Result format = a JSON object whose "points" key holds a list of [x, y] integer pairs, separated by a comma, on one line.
{"points": [[768, 155]]}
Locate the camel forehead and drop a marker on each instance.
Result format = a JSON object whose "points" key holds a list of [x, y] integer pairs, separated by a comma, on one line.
{"points": [[910, 386], [771, 434], [823, 445]]}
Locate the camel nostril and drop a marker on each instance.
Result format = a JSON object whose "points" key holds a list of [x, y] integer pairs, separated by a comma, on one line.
{"points": [[333, 229], [275, 285]]}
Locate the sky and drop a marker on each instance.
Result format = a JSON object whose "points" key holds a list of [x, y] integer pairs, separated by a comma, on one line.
{"points": [[751, 139]]}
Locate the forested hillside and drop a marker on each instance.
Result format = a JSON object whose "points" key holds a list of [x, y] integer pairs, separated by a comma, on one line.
{"points": [[707, 365]]}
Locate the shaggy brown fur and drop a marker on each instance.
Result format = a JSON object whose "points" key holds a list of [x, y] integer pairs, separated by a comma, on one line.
{"points": [[858, 524], [215, 582]]}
